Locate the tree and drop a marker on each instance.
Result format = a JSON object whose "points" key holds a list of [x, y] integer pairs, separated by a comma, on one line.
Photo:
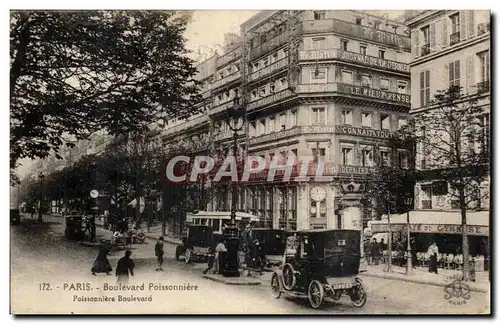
{"points": [[75, 72], [454, 143], [391, 182]]}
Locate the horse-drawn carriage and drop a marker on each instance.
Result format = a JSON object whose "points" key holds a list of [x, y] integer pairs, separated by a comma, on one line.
{"points": [[319, 264], [75, 229]]}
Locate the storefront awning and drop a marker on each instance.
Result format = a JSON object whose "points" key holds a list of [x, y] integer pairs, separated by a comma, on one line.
{"points": [[436, 222]]}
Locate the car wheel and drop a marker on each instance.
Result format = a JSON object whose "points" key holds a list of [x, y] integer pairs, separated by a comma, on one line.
{"points": [[275, 286], [288, 276], [358, 294], [315, 293]]}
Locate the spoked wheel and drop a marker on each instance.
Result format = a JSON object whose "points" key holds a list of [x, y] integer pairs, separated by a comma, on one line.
{"points": [[288, 276], [275, 286], [187, 256], [358, 294], [315, 293]]}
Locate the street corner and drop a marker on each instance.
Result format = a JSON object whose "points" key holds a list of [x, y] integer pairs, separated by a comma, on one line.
{"points": [[234, 281]]}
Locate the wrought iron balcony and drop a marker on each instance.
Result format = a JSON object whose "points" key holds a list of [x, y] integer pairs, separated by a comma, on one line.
{"points": [[425, 49], [270, 99], [276, 66], [269, 45], [454, 38], [227, 79], [357, 31], [483, 87]]}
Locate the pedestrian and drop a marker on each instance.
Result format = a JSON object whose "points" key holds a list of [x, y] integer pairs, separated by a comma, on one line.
{"points": [[220, 253], [433, 252], [101, 263], [159, 253], [211, 259], [382, 249], [124, 267], [375, 252]]}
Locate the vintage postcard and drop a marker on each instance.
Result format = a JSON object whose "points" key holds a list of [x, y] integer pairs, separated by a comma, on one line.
{"points": [[250, 162]]}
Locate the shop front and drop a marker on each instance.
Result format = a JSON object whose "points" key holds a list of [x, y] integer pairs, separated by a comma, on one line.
{"points": [[444, 228]]}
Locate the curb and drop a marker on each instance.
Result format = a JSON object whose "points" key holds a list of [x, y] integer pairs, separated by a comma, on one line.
{"points": [[232, 283], [418, 281], [166, 239]]}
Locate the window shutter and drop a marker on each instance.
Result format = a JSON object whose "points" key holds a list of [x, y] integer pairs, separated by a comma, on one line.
{"points": [[444, 32], [463, 29], [471, 26], [432, 32], [450, 68], [414, 48], [469, 75], [422, 89]]}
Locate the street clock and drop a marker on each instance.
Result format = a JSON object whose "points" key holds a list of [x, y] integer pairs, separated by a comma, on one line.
{"points": [[318, 193], [94, 194]]}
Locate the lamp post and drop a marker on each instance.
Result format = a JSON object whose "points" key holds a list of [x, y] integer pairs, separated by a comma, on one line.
{"points": [[231, 233], [409, 266], [40, 176]]}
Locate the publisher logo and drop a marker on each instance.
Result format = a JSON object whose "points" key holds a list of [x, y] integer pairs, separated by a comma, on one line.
{"points": [[457, 292]]}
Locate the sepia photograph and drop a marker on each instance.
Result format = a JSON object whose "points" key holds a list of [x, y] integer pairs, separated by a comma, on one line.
{"points": [[250, 162]]}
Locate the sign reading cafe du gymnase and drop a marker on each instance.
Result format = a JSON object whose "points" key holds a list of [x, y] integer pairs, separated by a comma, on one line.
{"points": [[478, 230]]}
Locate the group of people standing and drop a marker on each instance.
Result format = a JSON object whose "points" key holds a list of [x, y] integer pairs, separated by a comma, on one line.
{"points": [[125, 265]]}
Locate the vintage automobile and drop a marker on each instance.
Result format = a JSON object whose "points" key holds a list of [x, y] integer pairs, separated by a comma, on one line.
{"points": [[266, 243], [195, 243], [319, 264], [75, 229]]}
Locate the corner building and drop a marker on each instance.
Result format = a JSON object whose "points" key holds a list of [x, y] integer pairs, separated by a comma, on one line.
{"points": [[451, 47], [334, 85]]}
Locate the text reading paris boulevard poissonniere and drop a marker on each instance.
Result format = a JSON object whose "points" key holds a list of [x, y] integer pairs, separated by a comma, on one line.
{"points": [[132, 289]]}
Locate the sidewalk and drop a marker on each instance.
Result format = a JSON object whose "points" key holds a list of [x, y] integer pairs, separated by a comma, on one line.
{"points": [[423, 276], [153, 234], [242, 280]]}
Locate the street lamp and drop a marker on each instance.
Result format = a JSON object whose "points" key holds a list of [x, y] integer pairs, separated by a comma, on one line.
{"points": [[231, 233], [409, 266], [40, 176]]}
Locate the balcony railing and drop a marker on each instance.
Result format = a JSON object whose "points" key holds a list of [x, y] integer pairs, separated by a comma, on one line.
{"points": [[270, 45], [375, 62], [358, 31], [454, 38], [275, 136], [221, 107], [483, 87], [186, 125], [275, 97], [228, 57], [223, 135], [425, 49], [276, 66], [230, 78]]}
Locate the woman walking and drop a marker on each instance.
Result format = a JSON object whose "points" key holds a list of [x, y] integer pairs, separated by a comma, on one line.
{"points": [[101, 263]]}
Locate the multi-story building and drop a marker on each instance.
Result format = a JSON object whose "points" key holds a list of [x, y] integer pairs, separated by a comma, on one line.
{"points": [[450, 47], [332, 85]]}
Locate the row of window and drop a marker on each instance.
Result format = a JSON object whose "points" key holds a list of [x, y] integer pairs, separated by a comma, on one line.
{"points": [[227, 70], [366, 158], [320, 75], [269, 59], [282, 121], [319, 43], [449, 30], [481, 74], [443, 195]]}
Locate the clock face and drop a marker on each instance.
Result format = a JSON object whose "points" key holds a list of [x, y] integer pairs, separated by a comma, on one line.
{"points": [[94, 194], [318, 193]]}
